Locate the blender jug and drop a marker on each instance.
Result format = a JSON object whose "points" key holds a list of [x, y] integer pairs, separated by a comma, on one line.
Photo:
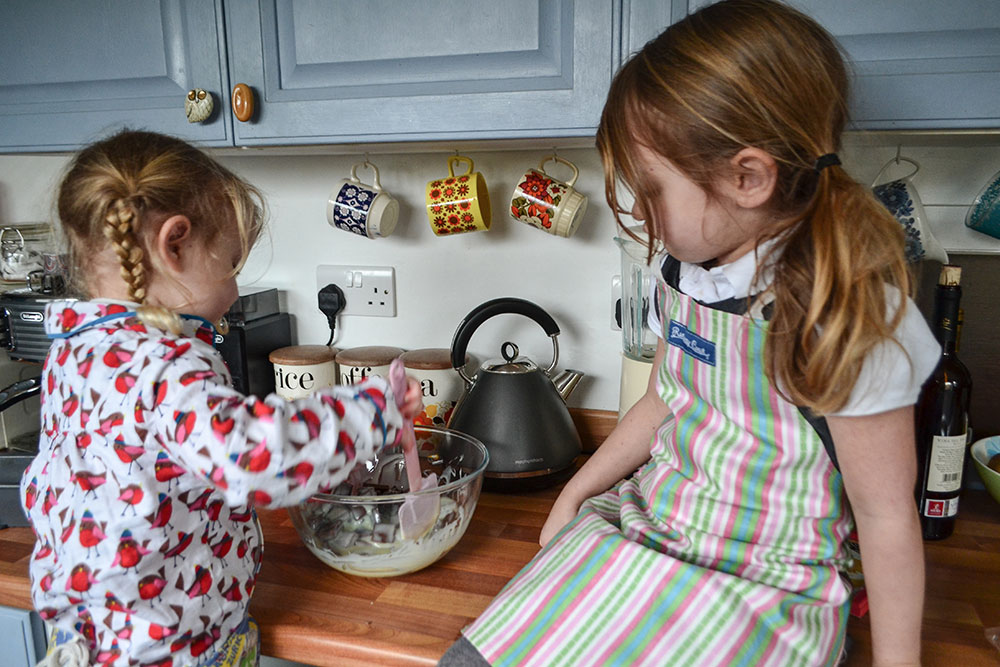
{"points": [[638, 340]]}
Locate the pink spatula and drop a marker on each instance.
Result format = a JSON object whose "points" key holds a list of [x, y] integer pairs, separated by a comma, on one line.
{"points": [[418, 513]]}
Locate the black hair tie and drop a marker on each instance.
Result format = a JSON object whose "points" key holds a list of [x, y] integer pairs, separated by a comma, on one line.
{"points": [[824, 161]]}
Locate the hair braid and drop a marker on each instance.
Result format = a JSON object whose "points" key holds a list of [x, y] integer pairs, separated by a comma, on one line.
{"points": [[118, 228], [118, 191]]}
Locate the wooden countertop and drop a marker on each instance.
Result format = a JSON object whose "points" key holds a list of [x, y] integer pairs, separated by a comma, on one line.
{"points": [[312, 614]]}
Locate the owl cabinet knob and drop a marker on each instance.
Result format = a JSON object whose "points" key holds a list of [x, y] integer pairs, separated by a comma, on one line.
{"points": [[198, 105], [242, 102]]}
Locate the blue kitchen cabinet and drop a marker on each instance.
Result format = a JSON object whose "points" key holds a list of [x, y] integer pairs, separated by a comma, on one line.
{"points": [[917, 64], [397, 70], [22, 637], [320, 72], [73, 70]]}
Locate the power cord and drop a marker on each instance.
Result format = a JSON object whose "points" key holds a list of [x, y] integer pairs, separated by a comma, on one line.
{"points": [[331, 302]]}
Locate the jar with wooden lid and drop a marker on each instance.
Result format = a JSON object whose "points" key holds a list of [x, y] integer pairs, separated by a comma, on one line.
{"points": [[441, 384], [357, 364], [299, 370]]}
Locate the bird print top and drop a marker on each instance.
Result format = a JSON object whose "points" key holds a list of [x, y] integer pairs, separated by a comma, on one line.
{"points": [[149, 467]]}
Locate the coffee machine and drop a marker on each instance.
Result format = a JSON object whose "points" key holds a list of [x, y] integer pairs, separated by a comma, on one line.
{"points": [[256, 328], [23, 335]]}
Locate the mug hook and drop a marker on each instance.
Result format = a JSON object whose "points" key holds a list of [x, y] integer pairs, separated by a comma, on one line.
{"points": [[354, 173], [897, 160], [576, 172], [452, 161]]}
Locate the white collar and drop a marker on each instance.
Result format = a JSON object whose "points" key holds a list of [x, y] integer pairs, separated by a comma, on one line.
{"points": [[727, 281]]}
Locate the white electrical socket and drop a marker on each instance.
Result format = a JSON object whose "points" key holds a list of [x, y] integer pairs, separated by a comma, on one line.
{"points": [[368, 290]]}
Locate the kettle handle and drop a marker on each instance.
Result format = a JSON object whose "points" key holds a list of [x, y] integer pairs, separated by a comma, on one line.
{"points": [[19, 391], [501, 306]]}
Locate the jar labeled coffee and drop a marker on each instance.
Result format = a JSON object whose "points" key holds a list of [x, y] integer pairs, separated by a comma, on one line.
{"points": [[357, 364]]}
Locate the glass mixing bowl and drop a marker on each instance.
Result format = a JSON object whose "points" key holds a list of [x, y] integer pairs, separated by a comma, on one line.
{"points": [[356, 528]]}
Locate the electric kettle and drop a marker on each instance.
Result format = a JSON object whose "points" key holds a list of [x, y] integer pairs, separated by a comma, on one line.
{"points": [[514, 407]]}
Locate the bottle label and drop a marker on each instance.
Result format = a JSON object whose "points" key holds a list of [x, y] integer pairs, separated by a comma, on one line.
{"points": [[937, 508], [944, 475]]}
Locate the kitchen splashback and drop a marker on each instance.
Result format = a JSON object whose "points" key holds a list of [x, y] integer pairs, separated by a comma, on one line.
{"points": [[439, 280]]}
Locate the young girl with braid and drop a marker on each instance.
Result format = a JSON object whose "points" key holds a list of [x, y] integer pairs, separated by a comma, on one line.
{"points": [[150, 466], [786, 337]]}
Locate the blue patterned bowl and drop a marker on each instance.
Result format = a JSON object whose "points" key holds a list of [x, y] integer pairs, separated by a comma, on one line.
{"points": [[984, 214]]}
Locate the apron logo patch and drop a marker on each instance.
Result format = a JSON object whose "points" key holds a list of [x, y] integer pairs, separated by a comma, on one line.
{"points": [[691, 343]]}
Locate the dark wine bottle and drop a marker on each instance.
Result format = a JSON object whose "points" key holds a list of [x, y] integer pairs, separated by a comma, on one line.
{"points": [[942, 417]]}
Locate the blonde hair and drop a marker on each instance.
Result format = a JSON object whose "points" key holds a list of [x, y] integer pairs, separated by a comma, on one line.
{"points": [[119, 189], [757, 73]]}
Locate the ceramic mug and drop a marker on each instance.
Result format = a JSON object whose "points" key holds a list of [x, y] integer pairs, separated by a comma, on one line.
{"points": [[984, 214], [549, 204], [54, 263], [458, 204], [902, 200], [366, 210], [299, 370]]}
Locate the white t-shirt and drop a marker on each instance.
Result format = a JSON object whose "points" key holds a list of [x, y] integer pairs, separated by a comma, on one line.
{"points": [[891, 375]]}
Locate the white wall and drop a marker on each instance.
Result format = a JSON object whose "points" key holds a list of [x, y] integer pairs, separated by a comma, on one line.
{"points": [[439, 280]]}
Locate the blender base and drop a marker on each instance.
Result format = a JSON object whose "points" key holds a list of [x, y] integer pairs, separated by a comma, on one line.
{"points": [[634, 380]]}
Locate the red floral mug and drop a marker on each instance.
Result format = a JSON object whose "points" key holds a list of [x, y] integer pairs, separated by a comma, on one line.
{"points": [[549, 204]]}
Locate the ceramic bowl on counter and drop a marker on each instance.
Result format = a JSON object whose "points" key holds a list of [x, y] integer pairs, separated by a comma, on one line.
{"points": [[982, 452], [356, 529]]}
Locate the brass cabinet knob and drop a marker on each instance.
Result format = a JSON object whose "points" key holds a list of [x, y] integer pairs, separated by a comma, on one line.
{"points": [[198, 105], [242, 102]]}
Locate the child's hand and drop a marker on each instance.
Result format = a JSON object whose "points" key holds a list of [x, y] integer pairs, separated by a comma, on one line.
{"points": [[562, 513], [412, 403]]}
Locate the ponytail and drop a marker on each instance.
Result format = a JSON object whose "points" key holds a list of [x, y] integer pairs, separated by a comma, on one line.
{"points": [[830, 305]]}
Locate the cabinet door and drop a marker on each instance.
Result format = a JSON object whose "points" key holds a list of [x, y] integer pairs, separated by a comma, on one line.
{"points": [[642, 20], [74, 70], [917, 64], [22, 643], [397, 70]]}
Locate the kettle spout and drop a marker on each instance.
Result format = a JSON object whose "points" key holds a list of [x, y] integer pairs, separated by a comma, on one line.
{"points": [[566, 382]]}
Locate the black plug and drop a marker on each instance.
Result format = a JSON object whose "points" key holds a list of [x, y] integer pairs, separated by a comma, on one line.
{"points": [[331, 302]]}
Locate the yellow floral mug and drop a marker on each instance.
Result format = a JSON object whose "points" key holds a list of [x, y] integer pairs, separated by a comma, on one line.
{"points": [[458, 204], [549, 204]]}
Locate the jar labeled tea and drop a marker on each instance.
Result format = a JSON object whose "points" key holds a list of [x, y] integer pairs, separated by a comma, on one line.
{"points": [[440, 384]]}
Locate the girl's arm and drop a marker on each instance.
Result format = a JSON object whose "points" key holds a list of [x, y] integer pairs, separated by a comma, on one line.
{"points": [[625, 449], [877, 458], [271, 451]]}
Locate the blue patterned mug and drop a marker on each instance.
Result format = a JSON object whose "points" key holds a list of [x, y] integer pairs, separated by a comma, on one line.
{"points": [[902, 200], [362, 209]]}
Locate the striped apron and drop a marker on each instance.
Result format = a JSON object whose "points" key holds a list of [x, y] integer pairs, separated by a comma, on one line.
{"points": [[724, 549]]}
